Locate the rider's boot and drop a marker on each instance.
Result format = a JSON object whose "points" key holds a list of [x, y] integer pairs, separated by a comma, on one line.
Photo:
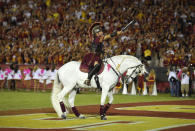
{"points": [[91, 73], [97, 82]]}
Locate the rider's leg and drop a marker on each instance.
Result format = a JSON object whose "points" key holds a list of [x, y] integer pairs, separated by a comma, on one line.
{"points": [[97, 82], [94, 70]]}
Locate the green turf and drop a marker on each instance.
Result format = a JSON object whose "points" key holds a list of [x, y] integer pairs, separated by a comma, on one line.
{"points": [[12, 100]]}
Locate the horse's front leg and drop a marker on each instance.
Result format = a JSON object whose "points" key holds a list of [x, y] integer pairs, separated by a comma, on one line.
{"points": [[103, 99], [107, 106], [71, 99]]}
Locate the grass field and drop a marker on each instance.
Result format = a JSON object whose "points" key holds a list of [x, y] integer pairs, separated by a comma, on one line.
{"points": [[14, 100], [160, 115]]}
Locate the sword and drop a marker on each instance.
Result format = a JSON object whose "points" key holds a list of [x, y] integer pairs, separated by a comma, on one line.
{"points": [[131, 22]]}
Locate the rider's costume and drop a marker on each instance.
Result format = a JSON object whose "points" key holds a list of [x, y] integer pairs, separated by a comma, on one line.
{"points": [[96, 51]]}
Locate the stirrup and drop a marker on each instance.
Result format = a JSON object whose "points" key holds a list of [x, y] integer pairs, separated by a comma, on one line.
{"points": [[87, 82]]}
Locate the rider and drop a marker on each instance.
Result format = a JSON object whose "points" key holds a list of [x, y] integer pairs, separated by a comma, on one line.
{"points": [[97, 38]]}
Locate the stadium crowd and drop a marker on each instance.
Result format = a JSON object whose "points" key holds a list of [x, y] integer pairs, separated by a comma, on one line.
{"points": [[53, 32], [56, 31]]}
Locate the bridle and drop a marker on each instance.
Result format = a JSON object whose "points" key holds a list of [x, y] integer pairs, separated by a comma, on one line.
{"points": [[134, 71]]}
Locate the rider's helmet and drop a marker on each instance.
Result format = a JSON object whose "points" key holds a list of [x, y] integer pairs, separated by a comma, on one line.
{"points": [[94, 29]]}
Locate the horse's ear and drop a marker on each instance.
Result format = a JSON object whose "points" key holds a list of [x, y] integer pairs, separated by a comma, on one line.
{"points": [[144, 69]]}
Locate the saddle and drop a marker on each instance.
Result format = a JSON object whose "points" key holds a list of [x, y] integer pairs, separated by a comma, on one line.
{"points": [[88, 61]]}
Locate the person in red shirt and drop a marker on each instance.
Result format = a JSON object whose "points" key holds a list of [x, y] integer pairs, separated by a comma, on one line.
{"points": [[150, 81], [94, 57], [140, 83]]}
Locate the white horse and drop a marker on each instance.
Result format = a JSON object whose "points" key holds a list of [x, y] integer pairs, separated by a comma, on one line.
{"points": [[69, 77]]}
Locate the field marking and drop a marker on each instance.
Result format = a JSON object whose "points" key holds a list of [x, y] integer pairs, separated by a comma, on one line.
{"points": [[39, 121], [105, 124], [169, 127], [24, 114], [165, 108]]}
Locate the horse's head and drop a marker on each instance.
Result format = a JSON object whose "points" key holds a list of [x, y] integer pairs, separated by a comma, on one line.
{"points": [[143, 69], [132, 72]]}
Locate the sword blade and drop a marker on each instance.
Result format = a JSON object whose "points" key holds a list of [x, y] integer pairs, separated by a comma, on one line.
{"points": [[131, 22]]}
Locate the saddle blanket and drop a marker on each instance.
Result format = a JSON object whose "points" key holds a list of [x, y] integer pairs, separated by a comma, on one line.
{"points": [[88, 61]]}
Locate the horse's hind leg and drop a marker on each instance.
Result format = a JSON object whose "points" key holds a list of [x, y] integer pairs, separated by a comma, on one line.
{"points": [[61, 98], [71, 99]]}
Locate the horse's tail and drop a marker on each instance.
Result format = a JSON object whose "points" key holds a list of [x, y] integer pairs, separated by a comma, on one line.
{"points": [[57, 87]]}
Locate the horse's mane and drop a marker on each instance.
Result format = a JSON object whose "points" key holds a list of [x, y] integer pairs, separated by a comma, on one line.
{"points": [[128, 56], [124, 57]]}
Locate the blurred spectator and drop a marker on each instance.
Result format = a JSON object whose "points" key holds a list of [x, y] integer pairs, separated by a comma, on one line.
{"points": [[17, 76], [185, 82], [44, 76], [53, 73], [172, 78], [150, 81], [140, 84], [10, 74], [27, 73], [2, 78], [192, 78], [147, 55], [178, 82], [36, 77]]}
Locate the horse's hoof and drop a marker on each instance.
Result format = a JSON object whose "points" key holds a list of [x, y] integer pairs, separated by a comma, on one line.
{"points": [[82, 117], [63, 116], [103, 117]]}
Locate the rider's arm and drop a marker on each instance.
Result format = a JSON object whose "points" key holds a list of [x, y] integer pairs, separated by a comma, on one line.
{"points": [[112, 35]]}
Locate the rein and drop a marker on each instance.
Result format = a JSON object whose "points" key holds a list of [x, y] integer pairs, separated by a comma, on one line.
{"points": [[117, 73]]}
